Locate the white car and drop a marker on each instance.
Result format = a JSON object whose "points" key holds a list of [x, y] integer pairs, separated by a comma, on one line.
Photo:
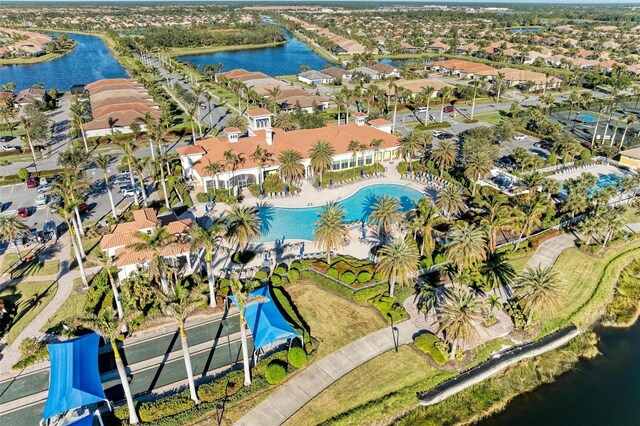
{"points": [[437, 133], [9, 148], [42, 199], [519, 137], [422, 110]]}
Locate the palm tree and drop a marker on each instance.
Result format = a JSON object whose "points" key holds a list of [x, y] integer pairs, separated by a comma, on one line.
{"points": [[538, 290], [531, 211], [330, 230], [445, 154], [71, 188], [108, 325], [421, 222], [500, 216], [274, 93], [26, 123], [128, 147], [411, 146], [80, 114], [355, 147], [398, 261], [574, 100], [445, 93], [213, 169], [243, 225], [232, 161], [67, 214], [497, 271], [179, 306], [499, 82], [425, 298], [151, 125], [291, 167], [451, 201], [385, 213], [321, 157], [629, 121], [261, 157], [478, 164], [107, 264], [467, 245], [426, 93], [102, 161], [139, 165], [459, 316], [242, 294], [375, 145], [476, 84], [284, 121], [209, 240], [155, 243], [12, 228], [237, 121], [7, 114]]}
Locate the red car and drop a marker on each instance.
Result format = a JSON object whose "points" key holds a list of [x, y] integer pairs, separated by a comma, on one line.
{"points": [[83, 208], [448, 109], [32, 182], [23, 211]]}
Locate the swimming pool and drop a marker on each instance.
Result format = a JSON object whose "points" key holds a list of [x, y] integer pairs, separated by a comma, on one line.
{"points": [[280, 223], [611, 179]]}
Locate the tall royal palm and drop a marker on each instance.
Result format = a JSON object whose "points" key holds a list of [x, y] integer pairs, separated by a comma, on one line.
{"points": [[411, 146], [539, 291], [12, 228], [421, 222], [425, 95], [179, 305], [209, 240], [66, 213], [477, 166], [291, 168], [261, 157], [467, 245], [460, 315], [531, 213], [330, 230], [80, 114], [321, 157], [232, 161], [244, 299], [71, 189], [398, 261], [102, 161], [375, 146], [243, 225], [128, 147], [444, 154], [499, 216], [450, 200], [108, 325], [155, 243], [150, 124], [386, 213]]}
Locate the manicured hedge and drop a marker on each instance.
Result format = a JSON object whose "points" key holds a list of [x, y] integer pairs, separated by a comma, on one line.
{"points": [[280, 270], [347, 277], [364, 277], [297, 357], [293, 275], [261, 275], [388, 306], [426, 342], [332, 272], [276, 372]]}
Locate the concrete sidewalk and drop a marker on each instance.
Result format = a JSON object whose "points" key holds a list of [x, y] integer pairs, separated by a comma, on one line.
{"points": [[550, 250], [299, 390]]}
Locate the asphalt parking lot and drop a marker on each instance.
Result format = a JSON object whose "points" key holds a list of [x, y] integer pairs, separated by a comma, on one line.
{"points": [[507, 147]]}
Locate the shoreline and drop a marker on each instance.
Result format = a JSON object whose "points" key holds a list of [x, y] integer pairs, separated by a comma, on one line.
{"points": [[318, 51], [204, 50], [47, 57]]}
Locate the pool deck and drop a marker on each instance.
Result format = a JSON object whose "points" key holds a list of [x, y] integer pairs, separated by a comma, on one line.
{"points": [[598, 170]]}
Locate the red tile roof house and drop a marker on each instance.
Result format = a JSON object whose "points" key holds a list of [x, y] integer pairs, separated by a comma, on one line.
{"points": [[196, 158], [122, 235]]}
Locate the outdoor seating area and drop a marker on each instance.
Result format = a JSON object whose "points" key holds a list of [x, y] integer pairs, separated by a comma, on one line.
{"points": [[427, 179], [349, 181]]}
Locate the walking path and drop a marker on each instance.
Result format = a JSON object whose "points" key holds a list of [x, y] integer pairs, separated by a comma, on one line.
{"points": [[550, 250], [299, 390]]}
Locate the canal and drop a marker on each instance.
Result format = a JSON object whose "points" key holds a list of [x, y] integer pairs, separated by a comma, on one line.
{"points": [[285, 59], [600, 391], [90, 61]]}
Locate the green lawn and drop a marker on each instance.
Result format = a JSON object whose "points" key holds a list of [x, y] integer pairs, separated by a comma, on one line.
{"points": [[492, 118], [11, 264], [29, 298], [519, 263], [91, 248], [334, 321], [71, 309], [382, 375]]}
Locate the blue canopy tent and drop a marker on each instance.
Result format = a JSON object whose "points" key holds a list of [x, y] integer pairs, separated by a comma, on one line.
{"points": [[74, 379], [265, 321]]}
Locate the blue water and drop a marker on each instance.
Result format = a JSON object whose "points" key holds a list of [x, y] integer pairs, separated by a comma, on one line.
{"points": [[525, 30], [90, 61], [278, 60], [279, 223], [603, 181]]}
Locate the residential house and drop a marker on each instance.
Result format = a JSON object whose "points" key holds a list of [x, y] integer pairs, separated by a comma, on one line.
{"points": [[315, 78], [28, 96], [386, 70], [438, 47]]}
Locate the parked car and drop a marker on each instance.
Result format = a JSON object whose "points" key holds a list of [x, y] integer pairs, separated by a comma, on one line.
{"points": [[448, 109], [121, 180], [131, 191], [45, 186], [24, 211], [42, 199], [422, 110], [4, 139], [437, 133], [32, 182], [55, 201], [443, 136], [9, 148], [83, 208], [519, 137], [127, 187], [544, 145]]}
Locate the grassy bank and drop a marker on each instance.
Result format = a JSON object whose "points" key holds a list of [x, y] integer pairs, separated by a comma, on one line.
{"points": [[316, 49], [624, 309], [181, 51], [38, 59], [28, 299]]}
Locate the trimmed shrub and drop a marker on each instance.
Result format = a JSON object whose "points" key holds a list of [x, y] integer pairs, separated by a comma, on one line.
{"points": [[428, 343], [333, 273], [222, 387], [280, 270], [276, 372], [261, 275], [320, 265], [348, 277], [155, 410], [297, 265], [293, 275], [276, 280], [297, 357], [364, 277]]}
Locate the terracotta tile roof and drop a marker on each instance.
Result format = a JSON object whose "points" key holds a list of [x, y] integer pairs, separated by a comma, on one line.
{"points": [[106, 81], [256, 112], [190, 150], [380, 122], [468, 67]]}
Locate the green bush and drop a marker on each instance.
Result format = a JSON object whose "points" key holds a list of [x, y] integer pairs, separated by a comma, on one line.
{"points": [[293, 275], [439, 259], [261, 275], [276, 372], [297, 357], [389, 307], [297, 265], [427, 343], [243, 257], [276, 280], [328, 283], [426, 262], [366, 294], [364, 277], [280, 270], [348, 277], [23, 173], [154, 410], [222, 387], [333, 273]]}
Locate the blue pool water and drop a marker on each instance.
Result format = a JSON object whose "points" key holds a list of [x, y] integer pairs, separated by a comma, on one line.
{"points": [[278, 60], [603, 181], [279, 223], [90, 61]]}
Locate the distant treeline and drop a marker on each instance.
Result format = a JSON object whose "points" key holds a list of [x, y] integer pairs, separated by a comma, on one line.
{"points": [[196, 36]]}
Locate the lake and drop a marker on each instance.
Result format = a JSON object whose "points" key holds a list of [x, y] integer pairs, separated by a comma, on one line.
{"points": [[277, 60], [526, 30], [601, 391], [90, 61]]}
